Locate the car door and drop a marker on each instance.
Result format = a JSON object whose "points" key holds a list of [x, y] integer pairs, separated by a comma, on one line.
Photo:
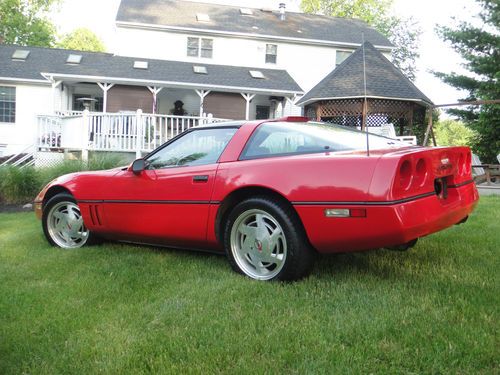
{"points": [[169, 201]]}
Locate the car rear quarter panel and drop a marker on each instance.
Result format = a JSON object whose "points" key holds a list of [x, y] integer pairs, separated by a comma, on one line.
{"points": [[313, 177]]}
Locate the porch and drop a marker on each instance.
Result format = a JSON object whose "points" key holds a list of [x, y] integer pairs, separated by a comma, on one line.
{"points": [[132, 132]]}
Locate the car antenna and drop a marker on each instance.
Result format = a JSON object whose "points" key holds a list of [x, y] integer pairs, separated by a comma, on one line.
{"points": [[365, 102]]}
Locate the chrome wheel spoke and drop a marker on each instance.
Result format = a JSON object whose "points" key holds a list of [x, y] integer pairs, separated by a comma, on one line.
{"points": [[274, 238], [248, 231]]}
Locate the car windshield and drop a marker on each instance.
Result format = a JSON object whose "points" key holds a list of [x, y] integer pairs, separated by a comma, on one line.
{"points": [[279, 138]]}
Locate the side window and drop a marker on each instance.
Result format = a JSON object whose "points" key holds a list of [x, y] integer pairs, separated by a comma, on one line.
{"points": [[271, 53], [340, 56], [197, 47], [193, 45], [274, 140], [197, 147], [7, 104]]}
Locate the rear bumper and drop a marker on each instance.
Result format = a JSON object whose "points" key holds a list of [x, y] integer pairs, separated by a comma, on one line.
{"points": [[385, 225]]}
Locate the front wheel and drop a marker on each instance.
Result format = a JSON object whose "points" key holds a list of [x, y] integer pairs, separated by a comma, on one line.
{"points": [[264, 240], [63, 223]]}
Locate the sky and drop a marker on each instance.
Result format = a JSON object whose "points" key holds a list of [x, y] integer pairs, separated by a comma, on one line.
{"points": [[435, 55]]}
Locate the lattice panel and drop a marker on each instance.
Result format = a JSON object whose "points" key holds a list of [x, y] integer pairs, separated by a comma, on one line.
{"points": [[48, 159], [349, 112]]}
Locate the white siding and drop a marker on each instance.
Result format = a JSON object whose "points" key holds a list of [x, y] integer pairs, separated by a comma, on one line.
{"points": [[30, 101], [307, 64]]}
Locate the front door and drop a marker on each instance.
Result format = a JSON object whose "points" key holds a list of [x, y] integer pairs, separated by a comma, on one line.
{"points": [[168, 203]]}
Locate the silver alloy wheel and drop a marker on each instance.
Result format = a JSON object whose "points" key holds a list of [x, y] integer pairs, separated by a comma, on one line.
{"points": [[258, 244], [65, 225]]}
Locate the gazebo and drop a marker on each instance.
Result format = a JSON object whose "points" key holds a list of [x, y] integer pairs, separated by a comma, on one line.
{"points": [[391, 98]]}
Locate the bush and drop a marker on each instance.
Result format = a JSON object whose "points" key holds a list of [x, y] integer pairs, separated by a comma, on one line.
{"points": [[101, 161], [21, 185], [67, 166]]}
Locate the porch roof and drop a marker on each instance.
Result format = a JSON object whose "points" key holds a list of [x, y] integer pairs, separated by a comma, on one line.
{"points": [[383, 80], [47, 63]]}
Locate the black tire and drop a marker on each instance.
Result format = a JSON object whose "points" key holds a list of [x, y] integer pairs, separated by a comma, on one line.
{"points": [[63, 209], [292, 241]]}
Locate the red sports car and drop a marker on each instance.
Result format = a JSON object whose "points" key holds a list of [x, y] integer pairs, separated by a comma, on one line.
{"points": [[269, 194]]}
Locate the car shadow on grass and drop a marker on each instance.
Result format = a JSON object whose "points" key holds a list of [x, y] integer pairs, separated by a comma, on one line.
{"points": [[380, 264]]}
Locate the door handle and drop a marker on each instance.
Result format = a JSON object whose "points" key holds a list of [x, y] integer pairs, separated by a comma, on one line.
{"points": [[200, 178]]}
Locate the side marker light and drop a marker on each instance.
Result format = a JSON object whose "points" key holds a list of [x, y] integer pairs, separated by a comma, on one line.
{"points": [[345, 212]]}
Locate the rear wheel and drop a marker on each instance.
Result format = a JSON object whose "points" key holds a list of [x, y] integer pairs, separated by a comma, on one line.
{"points": [[265, 241], [63, 223]]}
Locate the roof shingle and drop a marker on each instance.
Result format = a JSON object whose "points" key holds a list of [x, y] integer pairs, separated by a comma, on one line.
{"points": [[229, 19], [383, 80], [109, 67]]}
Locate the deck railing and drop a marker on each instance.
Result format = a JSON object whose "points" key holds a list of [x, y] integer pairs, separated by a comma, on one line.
{"points": [[123, 132]]}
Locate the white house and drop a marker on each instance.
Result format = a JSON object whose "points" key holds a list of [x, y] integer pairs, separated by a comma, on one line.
{"points": [[219, 61]]}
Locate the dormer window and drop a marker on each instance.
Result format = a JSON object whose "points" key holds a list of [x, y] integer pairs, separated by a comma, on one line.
{"points": [[74, 59], [20, 54], [201, 17], [257, 74], [200, 47], [140, 64]]}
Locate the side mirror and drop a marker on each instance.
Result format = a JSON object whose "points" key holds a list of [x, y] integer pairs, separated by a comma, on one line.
{"points": [[138, 166]]}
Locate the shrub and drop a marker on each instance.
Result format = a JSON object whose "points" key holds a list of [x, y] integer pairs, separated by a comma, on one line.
{"points": [[100, 161], [67, 166], [19, 185]]}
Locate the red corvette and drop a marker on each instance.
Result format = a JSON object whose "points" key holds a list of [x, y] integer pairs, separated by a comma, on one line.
{"points": [[270, 194]]}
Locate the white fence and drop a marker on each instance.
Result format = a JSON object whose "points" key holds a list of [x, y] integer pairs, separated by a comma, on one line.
{"points": [[123, 132]]}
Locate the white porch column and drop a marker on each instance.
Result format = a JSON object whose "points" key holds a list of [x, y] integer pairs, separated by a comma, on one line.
{"points": [[55, 84], [154, 90], [291, 101], [202, 94], [85, 135], [139, 133], [105, 87], [248, 98]]}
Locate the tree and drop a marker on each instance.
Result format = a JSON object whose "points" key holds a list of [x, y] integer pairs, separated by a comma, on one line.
{"points": [[82, 39], [478, 46], [25, 23], [452, 133], [404, 33]]}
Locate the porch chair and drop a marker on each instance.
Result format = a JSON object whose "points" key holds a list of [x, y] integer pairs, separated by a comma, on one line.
{"points": [[489, 173]]}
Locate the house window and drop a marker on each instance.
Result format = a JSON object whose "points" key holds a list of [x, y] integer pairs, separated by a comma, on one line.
{"points": [[7, 104], [200, 47], [271, 53], [262, 112], [340, 56]]}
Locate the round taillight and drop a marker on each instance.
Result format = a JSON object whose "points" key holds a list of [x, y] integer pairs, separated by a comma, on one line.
{"points": [[405, 174], [420, 173]]}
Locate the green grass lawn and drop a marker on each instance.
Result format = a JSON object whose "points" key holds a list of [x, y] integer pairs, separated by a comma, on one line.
{"points": [[120, 309]]}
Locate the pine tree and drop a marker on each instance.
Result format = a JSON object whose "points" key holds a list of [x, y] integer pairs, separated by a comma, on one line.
{"points": [[479, 47]]}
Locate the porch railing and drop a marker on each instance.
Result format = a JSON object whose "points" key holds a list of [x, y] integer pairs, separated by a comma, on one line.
{"points": [[123, 132]]}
